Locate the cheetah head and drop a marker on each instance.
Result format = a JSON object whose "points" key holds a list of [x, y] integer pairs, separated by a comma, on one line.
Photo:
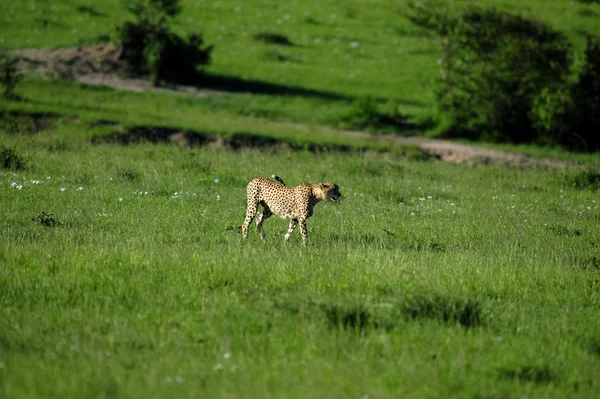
{"points": [[330, 191]]}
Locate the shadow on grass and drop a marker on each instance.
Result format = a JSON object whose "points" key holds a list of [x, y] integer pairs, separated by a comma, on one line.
{"points": [[15, 122], [233, 84], [537, 375], [190, 138], [356, 316]]}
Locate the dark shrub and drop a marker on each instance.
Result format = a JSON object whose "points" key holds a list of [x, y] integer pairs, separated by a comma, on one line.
{"points": [[149, 47]]}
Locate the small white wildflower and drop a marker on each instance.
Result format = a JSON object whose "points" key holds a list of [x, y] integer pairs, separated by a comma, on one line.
{"points": [[353, 44], [1, 365], [175, 195], [429, 197], [145, 192], [80, 188], [107, 353], [217, 366], [14, 184], [120, 199], [512, 206], [226, 355], [412, 214], [218, 198], [217, 180], [421, 199], [62, 189]]}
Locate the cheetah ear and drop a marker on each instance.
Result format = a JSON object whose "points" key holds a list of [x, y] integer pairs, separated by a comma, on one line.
{"points": [[322, 185]]}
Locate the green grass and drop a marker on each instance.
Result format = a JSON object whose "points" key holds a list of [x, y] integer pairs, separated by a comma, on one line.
{"points": [[428, 279], [354, 49]]}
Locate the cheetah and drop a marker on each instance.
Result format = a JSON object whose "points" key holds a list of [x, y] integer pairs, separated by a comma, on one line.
{"points": [[295, 203]]}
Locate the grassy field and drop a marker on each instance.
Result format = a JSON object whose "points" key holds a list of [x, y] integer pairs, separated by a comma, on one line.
{"points": [[123, 272], [124, 275]]}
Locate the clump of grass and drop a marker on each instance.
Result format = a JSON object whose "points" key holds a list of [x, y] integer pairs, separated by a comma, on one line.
{"points": [[129, 175], [535, 374], [273, 38], [46, 219], [564, 231], [10, 160], [584, 180]]}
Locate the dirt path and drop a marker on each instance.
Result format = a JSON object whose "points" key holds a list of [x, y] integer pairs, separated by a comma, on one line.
{"points": [[449, 151], [99, 65]]}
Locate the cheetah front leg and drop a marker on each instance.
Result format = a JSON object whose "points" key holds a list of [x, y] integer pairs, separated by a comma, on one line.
{"points": [[263, 216], [304, 231], [250, 213], [293, 224]]}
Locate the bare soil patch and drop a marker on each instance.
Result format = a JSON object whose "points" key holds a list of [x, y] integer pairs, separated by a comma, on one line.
{"points": [[467, 154], [98, 65]]}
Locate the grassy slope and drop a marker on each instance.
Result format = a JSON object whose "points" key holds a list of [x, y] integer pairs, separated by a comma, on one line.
{"points": [[139, 294], [155, 296], [350, 48]]}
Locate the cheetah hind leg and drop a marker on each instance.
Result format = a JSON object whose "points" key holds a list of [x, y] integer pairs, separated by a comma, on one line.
{"points": [[293, 224], [263, 216], [304, 232], [250, 214]]}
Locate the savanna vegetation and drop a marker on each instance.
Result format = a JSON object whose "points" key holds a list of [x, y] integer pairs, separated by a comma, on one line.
{"points": [[123, 272]]}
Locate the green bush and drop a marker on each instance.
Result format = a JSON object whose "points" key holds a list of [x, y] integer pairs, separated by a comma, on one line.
{"points": [[570, 115], [149, 47], [494, 68], [585, 134]]}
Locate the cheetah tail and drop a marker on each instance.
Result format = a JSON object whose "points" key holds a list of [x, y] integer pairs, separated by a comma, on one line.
{"points": [[279, 179]]}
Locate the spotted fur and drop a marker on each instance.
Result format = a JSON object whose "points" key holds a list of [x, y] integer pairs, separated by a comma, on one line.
{"points": [[295, 203]]}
